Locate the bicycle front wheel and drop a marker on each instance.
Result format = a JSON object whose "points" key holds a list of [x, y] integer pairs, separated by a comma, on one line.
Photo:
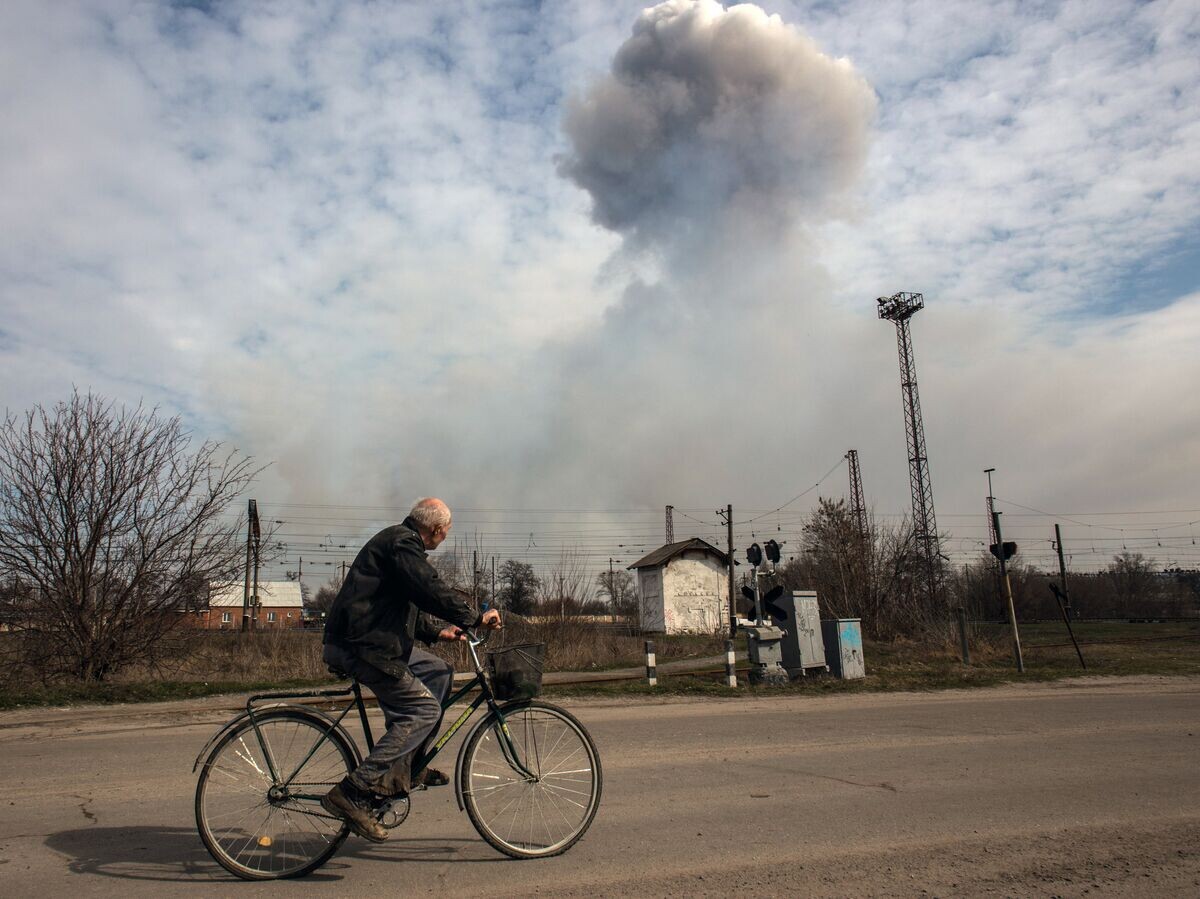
{"points": [[254, 825], [542, 815]]}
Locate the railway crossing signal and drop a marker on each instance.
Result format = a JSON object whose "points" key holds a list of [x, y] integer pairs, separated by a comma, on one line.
{"points": [[1010, 550]]}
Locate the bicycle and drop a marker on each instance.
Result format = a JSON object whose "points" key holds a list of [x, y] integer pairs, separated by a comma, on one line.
{"points": [[528, 776]]}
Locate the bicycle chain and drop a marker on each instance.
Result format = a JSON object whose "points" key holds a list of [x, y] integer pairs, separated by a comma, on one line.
{"points": [[322, 814], [309, 812]]}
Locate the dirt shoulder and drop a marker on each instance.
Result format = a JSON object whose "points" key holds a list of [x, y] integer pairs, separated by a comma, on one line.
{"points": [[82, 718]]}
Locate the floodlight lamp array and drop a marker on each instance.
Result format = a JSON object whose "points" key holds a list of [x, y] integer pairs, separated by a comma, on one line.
{"points": [[901, 306]]}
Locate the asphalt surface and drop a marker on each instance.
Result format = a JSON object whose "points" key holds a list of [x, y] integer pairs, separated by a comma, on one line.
{"points": [[1087, 787]]}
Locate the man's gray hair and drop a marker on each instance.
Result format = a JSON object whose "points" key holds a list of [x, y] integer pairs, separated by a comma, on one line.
{"points": [[429, 513]]}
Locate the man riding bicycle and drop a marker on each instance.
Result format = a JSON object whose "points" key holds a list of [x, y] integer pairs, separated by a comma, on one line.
{"points": [[388, 600]]}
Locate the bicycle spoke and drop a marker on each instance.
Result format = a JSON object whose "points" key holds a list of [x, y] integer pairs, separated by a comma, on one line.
{"points": [[261, 834], [534, 816]]}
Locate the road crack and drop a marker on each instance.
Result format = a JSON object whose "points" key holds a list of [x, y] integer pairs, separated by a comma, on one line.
{"points": [[83, 807], [882, 785]]}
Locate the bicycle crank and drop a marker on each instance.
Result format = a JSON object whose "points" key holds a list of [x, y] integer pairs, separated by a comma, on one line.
{"points": [[392, 812]]}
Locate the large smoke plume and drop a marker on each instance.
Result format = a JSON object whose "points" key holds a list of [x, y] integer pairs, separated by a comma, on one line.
{"points": [[715, 139], [708, 112]]}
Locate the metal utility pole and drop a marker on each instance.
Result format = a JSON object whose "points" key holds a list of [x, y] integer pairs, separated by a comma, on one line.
{"points": [[858, 505], [899, 308], [475, 577], [991, 506], [991, 509], [670, 524], [257, 540], [495, 603], [728, 516], [1012, 612], [253, 509]]}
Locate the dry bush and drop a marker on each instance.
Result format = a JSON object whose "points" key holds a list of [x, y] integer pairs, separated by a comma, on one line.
{"points": [[292, 654], [266, 655], [573, 645]]}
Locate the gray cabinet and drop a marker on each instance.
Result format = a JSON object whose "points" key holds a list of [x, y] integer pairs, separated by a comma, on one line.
{"points": [[844, 647], [802, 645]]}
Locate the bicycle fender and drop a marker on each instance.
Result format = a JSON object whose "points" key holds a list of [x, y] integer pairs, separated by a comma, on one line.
{"points": [[485, 721], [293, 706]]}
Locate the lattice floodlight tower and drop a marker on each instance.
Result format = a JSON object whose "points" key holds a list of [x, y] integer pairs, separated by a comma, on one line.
{"points": [[899, 308], [858, 505]]}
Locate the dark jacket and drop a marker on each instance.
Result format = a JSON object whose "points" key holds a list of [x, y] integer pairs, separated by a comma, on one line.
{"points": [[376, 615]]}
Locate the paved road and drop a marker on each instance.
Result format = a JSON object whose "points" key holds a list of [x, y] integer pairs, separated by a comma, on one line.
{"points": [[1086, 787]]}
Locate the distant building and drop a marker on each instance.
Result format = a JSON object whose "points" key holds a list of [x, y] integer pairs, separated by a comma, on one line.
{"points": [[684, 587], [281, 604]]}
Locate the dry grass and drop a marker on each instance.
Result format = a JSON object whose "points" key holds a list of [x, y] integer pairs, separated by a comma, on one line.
{"points": [[213, 662], [295, 655]]}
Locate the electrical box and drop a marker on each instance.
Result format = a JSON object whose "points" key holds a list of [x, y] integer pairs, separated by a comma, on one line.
{"points": [[762, 646], [844, 647], [803, 646]]}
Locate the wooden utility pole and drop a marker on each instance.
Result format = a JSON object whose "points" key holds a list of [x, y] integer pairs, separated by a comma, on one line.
{"points": [[1062, 570], [1012, 612], [612, 599], [1063, 597]]}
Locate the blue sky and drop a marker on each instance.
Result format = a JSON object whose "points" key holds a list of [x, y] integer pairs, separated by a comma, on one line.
{"points": [[339, 235]]}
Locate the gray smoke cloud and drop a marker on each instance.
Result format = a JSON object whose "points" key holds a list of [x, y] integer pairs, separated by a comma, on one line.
{"points": [[711, 112], [717, 137]]}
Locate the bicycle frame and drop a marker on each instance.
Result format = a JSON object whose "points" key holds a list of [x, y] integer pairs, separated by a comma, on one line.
{"points": [[480, 681]]}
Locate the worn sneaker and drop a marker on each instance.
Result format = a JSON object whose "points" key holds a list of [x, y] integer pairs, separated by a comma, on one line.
{"points": [[359, 815], [430, 777]]}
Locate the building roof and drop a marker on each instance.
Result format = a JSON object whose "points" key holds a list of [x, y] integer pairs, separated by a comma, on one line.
{"points": [[277, 594], [664, 554]]}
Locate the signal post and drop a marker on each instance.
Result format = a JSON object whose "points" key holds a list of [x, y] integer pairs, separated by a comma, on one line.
{"points": [[764, 641]]}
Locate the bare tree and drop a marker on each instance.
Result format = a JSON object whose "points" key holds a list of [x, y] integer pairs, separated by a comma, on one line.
{"points": [[875, 578], [568, 586], [322, 602], [518, 587], [115, 527], [1133, 582], [619, 590]]}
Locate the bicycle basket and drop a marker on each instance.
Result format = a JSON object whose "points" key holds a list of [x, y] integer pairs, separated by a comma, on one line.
{"points": [[517, 670]]}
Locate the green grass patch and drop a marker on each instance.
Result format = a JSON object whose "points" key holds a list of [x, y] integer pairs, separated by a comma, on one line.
{"points": [[900, 666]]}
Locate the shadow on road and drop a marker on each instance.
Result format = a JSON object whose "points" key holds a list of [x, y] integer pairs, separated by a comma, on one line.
{"points": [[175, 854]]}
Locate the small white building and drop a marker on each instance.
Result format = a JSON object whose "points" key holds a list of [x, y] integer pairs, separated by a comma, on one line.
{"points": [[684, 587]]}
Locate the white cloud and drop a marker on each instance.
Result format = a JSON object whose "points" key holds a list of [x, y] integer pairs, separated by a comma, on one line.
{"points": [[334, 232]]}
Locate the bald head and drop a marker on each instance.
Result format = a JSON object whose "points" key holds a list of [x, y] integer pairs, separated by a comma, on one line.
{"points": [[432, 517]]}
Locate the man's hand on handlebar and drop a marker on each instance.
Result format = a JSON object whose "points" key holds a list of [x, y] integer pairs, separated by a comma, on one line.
{"points": [[452, 632]]}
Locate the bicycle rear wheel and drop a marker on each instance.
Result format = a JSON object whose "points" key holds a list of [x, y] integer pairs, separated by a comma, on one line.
{"points": [[542, 816], [254, 826]]}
